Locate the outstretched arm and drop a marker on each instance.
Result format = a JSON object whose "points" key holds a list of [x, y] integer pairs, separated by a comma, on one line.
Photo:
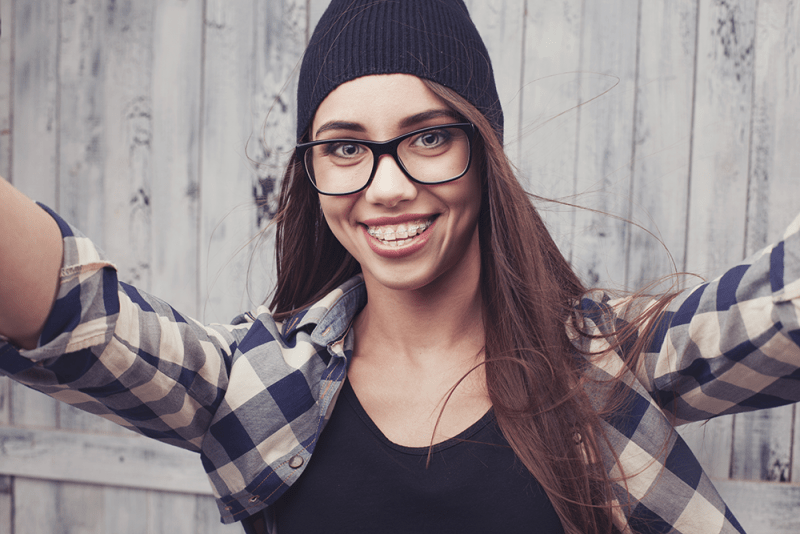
{"points": [[30, 259]]}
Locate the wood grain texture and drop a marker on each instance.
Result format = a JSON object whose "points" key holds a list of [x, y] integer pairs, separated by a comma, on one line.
{"points": [[723, 96], [502, 27], [6, 503], [125, 461], [36, 505], [228, 220], [6, 85], [763, 441], [34, 154], [605, 140], [762, 507], [143, 122], [662, 142], [177, 66], [718, 188], [280, 34], [549, 113]]}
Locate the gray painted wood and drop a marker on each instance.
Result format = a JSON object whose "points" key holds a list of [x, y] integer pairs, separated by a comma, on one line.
{"points": [[605, 139], [549, 113], [177, 66], [226, 183], [129, 460], [143, 122], [763, 508], [662, 142], [502, 25], [6, 88]]}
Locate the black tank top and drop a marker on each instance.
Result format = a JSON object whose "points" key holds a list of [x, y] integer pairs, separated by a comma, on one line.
{"points": [[360, 482]]}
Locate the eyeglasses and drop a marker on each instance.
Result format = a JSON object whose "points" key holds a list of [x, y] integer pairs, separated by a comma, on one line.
{"points": [[432, 155]]}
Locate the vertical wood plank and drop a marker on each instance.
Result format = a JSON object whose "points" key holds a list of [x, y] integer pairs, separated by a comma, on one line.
{"points": [[80, 508], [762, 445], [774, 186], [315, 10], [126, 509], [663, 123], [761, 507], [176, 513], [105, 72], [128, 127], [81, 182], [6, 503], [105, 173], [711, 443], [207, 518], [82, 68], [718, 190], [279, 32], [171, 513], [548, 125], [35, 507], [34, 151], [795, 466], [175, 152], [502, 28], [763, 440], [6, 82], [228, 221], [605, 136], [34, 93], [723, 97]]}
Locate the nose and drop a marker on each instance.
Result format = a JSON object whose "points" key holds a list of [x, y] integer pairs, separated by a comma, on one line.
{"points": [[390, 185]]}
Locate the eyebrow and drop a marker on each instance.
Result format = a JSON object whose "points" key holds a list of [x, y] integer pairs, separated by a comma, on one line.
{"points": [[412, 120]]}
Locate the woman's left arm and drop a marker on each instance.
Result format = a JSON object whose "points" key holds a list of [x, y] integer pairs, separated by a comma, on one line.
{"points": [[732, 344]]}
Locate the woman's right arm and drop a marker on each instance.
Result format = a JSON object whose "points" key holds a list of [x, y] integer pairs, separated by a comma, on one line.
{"points": [[30, 259], [73, 331]]}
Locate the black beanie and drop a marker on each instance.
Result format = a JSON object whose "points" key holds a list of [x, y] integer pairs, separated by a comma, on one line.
{"points": [[432, 39]]}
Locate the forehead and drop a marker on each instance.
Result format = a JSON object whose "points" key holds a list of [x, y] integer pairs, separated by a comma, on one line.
{"points": [[378, 103]]}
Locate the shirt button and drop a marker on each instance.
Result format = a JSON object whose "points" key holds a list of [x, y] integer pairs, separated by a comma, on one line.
{"points": [[296, 461], [254, 498]]}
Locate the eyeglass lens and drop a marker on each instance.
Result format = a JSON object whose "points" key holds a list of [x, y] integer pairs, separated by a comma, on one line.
{"points": [[430, 157]]}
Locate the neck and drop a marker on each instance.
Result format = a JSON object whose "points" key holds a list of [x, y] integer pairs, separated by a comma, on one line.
{"points": [[439, 323]]}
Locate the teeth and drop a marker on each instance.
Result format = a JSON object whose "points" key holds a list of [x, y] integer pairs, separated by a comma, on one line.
{"points": [[399, 235]]}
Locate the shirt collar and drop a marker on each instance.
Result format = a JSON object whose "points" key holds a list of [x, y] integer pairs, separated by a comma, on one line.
{"points": [[330, 317]]}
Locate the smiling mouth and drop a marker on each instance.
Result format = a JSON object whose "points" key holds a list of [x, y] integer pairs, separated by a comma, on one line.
{"points": [[397, 235]]}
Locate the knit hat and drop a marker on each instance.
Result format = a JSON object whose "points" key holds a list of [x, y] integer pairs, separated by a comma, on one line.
{"points": [[431, 39]]}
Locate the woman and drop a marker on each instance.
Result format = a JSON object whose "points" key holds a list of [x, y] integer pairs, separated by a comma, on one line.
{"points": [[411, 263]]}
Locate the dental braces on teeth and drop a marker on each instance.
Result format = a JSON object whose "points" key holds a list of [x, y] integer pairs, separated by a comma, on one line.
{"points": [[410, 231]]}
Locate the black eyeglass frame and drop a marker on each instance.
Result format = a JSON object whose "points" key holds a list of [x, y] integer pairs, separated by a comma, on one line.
{"points": [[379, 148]]}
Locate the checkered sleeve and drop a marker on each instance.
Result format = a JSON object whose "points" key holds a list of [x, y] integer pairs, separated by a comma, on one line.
{"points": [[732, 344], [115, 351]]}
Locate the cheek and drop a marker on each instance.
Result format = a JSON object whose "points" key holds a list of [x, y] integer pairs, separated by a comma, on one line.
{"points": [[336, 211]]}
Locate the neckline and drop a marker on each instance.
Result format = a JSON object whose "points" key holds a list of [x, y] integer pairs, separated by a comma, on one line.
{"points": [[352, 399]]}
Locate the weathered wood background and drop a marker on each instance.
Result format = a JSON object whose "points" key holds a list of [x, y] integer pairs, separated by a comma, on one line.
{"points": [[142, 122]]}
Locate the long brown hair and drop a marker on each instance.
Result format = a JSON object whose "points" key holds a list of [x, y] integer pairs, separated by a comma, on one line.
{"points": [[529, 290]]}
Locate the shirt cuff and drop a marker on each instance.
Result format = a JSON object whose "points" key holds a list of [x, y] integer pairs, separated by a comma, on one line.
{"points": [[87, 295]]}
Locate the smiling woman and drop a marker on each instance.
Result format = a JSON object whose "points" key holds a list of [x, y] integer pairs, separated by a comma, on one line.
{"points": [[430, 362]]}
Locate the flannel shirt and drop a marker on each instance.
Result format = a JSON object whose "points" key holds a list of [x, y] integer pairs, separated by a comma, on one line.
{"points": [[252, 397]]}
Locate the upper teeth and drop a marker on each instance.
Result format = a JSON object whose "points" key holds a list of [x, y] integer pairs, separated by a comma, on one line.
{"points": [[401, 231]]}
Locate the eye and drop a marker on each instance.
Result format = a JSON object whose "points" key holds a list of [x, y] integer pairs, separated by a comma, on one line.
{"points": [[344, 150], [432, 139]]}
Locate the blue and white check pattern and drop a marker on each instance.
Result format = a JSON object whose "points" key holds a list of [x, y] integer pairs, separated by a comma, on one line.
{"points": [[252, 397]]}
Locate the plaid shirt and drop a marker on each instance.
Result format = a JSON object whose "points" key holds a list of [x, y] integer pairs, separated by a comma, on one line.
{"points": [[252, 397]]}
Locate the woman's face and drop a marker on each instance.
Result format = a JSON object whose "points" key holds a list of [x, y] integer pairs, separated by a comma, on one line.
{"points": [[405, 235]]}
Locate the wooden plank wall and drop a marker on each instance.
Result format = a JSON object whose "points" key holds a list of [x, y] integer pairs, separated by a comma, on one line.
{"points": [[142, 121]]}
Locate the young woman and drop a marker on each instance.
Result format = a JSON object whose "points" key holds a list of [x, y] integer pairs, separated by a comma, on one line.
{"points": [[429, 362]]}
